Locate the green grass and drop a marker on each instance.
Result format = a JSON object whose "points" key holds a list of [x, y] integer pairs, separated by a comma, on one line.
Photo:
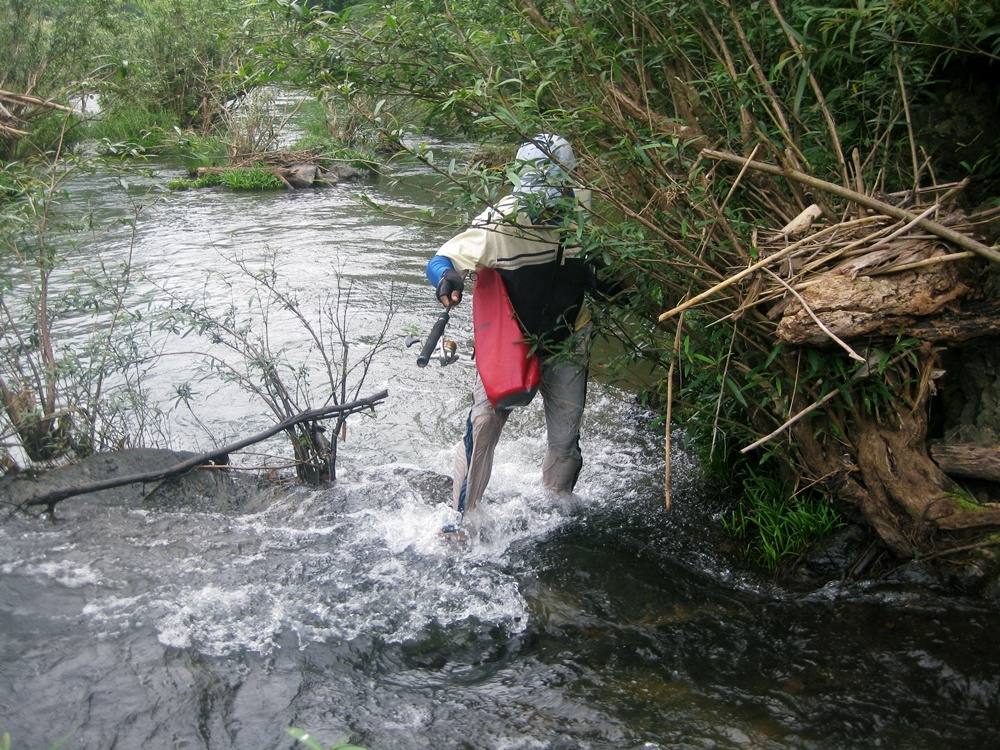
{"points": [[776, 526], [197, 150], [249, 179], [184, 183], [312, 118]]}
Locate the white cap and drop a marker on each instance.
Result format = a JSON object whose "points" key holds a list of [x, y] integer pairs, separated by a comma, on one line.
{"points": [[542, 167]]}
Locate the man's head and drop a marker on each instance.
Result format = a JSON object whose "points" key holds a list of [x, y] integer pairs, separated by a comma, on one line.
{"points": [[541, 173]]}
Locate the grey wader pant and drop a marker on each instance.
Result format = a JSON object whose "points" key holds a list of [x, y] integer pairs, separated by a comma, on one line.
{"points": [[564, 390]]}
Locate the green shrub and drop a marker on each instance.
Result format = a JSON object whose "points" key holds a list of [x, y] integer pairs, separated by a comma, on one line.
{"points": [[50, 131], [197, 150]]}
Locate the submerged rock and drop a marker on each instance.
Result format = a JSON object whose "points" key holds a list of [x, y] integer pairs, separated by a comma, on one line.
{"points": [[301, 175], [202, 488], [831, 558]]}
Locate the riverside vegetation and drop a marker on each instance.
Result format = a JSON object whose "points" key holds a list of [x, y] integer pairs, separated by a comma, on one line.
{"points": [[803, 195]]}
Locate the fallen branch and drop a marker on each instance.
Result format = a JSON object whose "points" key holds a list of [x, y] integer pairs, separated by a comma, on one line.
{"points": [[951, 257], [967, 460], [905, 228], [33, 101], [963, 548], [324, 412], [12, 130], [963, 241]]}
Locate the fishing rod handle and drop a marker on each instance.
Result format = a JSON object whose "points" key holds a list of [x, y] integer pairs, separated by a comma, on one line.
{"points": [[432, 339]]}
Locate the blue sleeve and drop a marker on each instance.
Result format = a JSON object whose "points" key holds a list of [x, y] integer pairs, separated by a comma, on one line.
{"points": [[436, 268]]}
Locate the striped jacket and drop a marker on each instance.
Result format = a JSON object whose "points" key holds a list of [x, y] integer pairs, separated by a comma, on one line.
{"points": [[541, 266]]}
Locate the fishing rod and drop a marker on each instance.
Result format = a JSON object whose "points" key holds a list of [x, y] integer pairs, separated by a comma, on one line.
{"points": [[446, 349]]}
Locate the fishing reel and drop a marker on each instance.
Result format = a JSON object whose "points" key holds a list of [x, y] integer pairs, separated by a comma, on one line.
{"points": [[445, 351]]}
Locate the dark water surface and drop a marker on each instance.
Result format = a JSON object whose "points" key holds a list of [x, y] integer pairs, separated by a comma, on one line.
{"points": [[593, 623]]}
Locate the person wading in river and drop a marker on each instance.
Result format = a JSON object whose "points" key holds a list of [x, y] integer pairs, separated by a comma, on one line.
{"points": [[529, 237]]}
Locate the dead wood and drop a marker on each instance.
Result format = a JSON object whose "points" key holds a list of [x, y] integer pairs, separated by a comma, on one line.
{"points": [[967, 460], [956, 238], [973, 320], [33, 101], [842, 477], [852, 308], [50, 499]]}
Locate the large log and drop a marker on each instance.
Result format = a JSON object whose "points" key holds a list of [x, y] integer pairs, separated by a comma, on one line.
{"points": [[921, 304], [967, 460]]}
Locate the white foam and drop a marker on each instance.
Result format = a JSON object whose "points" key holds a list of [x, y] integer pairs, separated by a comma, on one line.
{"points": [[72, 575], [363, 558], [219, 622], [111, 606]]}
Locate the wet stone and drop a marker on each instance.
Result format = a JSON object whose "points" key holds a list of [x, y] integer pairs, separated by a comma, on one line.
{"points": [[201, 489]]}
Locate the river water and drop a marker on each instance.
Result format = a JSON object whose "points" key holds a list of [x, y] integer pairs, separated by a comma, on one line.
{"points": [[597, 622]]}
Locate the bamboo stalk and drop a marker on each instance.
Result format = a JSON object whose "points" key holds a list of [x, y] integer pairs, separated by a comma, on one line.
{"points": [[788, 423], [668, 417], [905, 228], [9, 129], [951, 257], [772, 98], [909, 124], [831, 125], [846, 250], [33, 101], [722, 389], [941, 231]]}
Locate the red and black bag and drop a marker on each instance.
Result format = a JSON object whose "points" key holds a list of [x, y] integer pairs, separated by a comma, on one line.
{"points": [[509, 372]]}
